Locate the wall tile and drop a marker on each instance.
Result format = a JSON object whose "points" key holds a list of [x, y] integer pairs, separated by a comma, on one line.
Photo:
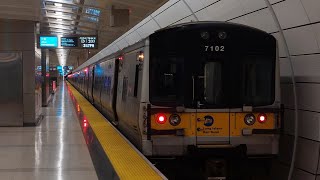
{"points": [[291, 13], [312, 8]]}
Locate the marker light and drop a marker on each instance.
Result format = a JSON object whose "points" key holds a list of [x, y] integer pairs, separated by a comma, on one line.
{"points": [[141, 57], [175, 120], [121, 58], [249, 119], [86, 70], [161, 118], [262, 118]]}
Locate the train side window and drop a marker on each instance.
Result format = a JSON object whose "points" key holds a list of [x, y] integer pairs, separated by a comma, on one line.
{"points": [[136, 81], [125, 89], [107, 84]]}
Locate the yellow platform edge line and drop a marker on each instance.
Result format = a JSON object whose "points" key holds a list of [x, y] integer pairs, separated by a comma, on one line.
{"points": [[127, 162]]}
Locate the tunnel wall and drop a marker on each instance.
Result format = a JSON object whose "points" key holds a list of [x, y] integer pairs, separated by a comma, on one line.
{"points": [[300, 20]]}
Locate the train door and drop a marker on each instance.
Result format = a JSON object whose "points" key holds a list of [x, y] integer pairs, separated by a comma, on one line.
{"points": [[86, 80], [91, 84], [212, 114]]}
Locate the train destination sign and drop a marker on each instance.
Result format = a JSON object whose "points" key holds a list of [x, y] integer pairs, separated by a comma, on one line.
{"points": [[68, 41]]}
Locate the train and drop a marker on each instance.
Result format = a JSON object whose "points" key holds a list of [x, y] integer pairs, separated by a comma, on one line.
{"points": [[197, 85]]}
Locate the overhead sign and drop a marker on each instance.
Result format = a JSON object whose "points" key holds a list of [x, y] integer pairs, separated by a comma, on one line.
{"points": [[48, 41], [69, 41], [88, 42]]}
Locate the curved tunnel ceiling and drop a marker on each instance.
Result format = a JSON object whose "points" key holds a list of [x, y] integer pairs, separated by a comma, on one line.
{"points": [[90, 17], [300, 20]]}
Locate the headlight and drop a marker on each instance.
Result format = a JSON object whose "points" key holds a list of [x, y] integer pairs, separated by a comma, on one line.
{"points": [[175, 120], [222, 35], [249, 119]]}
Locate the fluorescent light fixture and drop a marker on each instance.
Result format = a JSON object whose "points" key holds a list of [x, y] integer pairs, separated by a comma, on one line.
{"points": [[58, 4], [59, 13], [59, 20]]}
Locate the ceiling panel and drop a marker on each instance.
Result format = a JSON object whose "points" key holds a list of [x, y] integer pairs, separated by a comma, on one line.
{"points": [[90, 17]]}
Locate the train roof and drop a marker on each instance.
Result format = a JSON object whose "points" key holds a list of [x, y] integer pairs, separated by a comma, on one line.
{"points": [[205, 24], [113, 48]]}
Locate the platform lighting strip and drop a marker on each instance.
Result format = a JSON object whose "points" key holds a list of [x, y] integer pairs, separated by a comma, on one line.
{"points": [[58, 10]]}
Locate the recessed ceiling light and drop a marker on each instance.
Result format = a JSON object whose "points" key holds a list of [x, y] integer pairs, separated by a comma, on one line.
{"points": [[58, 4]]}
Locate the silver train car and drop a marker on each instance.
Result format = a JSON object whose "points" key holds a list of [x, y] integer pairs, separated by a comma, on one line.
{"points": [[203, 85]]}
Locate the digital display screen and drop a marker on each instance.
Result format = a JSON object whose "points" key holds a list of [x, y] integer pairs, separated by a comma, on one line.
{"points": [[88, 42], [69, 41], [48, 41]]}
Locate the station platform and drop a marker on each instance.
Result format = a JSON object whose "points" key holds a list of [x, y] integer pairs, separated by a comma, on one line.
{"points": [[74, 141], [54, 150]]}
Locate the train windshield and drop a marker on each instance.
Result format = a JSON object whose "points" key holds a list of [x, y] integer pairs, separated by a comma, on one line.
{"points": [[257, 81], [212, 83], [166, 80], [206, 72], [248, 81]]}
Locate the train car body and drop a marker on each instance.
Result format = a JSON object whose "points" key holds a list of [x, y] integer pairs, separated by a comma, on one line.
{"points": [[200, 85]]}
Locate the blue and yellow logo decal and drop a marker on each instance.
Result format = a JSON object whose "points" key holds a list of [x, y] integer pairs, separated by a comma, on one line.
{"points": [[208, 121]]}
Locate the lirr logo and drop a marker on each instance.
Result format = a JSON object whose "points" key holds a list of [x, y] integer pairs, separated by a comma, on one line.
{"points": [[208, 120]]}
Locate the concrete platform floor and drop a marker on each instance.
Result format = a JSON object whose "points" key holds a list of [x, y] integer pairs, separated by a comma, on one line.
{"points": [[54, 150]]}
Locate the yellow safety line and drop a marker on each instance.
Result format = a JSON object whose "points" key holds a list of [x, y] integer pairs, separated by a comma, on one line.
{"points": [[125, 160]]}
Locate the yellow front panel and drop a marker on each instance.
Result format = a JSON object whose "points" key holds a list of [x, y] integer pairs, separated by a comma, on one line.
{"points": [[237, 123], [187, 123], [213, 124], [194, 124], [223, 124]]}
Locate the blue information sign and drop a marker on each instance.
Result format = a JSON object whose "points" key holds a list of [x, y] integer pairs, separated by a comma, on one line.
{"points": [[48, 41]]}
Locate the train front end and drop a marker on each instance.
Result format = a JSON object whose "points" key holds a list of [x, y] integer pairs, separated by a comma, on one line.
{"points": [[212, 86]]}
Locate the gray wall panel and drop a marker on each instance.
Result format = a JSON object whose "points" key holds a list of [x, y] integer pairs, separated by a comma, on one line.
{"points": [[17, 41], [29, 118], [308, 125], [307, 153], [16, 26], [29, 103], [173, 14], [11, 91], [312, 8], [280, 171], [305, 67], [302, 175], [290, 13], [28, 71], [308, 96]]}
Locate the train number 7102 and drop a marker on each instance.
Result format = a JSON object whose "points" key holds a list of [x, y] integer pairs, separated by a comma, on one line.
{"points": [[214, 48]]}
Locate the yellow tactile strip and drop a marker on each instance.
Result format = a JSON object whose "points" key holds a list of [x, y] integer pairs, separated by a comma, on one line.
{"points": [[125, 160]]}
